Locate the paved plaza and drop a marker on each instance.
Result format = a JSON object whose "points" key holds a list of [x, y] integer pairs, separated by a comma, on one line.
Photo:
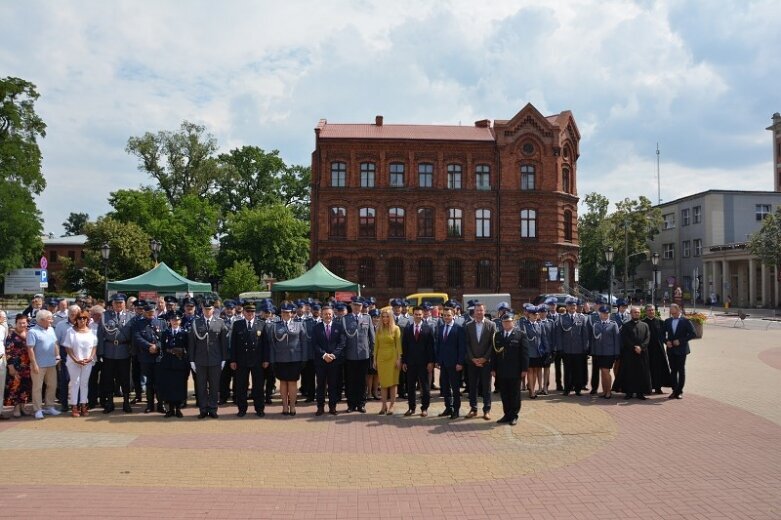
{"points": [[712, 455]]}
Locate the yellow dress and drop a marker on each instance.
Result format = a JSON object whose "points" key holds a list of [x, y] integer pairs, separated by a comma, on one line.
{"points": [[387, 348]]}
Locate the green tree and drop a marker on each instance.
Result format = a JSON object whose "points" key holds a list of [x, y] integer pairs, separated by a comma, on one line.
{"points": [[20, 174], [75, 223], [766, 243], [295, 190], [271, 237], [239, 278], [182, 162]]}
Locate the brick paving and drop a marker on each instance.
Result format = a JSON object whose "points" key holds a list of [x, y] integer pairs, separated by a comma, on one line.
{"points": [[712, 455]]}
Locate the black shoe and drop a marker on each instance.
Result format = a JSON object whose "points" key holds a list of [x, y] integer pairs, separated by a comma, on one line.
{"points": [[241, 413], [446, 413], [513, 421], [678, 396], [577, 392], [268, 400], [565, 394], [126, 408], [658, 391], [108, 409], [503, 420], [160, 408], [184, 405], [593, 391], [455, 415], [285, 412], [214, 415], [169, 413], [309, 400], [222, 402], [641, 397], [260, 413], [559, 388], [628, 396], [149, 409], [360, 409], [332, 411], [178, 413], [202, 415], [349, 409], [320, 411]]}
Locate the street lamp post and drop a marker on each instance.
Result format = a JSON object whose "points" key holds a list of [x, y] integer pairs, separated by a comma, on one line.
{"points": [[105, 252], [609, 257], [655, 263], [155, 246]]}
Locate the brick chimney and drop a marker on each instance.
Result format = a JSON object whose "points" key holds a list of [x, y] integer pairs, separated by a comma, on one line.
{"points": [[378, 120], [483, 123]]}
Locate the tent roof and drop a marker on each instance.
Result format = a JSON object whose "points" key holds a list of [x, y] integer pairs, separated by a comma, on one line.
{"points": [[318, 278], [161, 278]]}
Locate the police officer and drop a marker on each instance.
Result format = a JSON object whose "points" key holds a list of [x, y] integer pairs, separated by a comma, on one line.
{"points": [[509, 363], [227, 375], [114, 350], [359, 347], [147, 342], [208, 350], [249, 356], [572, 338]]}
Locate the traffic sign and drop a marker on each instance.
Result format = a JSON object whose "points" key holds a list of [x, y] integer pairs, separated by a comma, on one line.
{"points": [[44, 278], [44, 263]]}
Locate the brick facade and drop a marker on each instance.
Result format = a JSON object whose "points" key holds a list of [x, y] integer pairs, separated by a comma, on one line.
{"points": [[422, 256]]}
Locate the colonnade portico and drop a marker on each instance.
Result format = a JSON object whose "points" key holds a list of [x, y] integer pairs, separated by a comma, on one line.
{"points": [[733, 271]]}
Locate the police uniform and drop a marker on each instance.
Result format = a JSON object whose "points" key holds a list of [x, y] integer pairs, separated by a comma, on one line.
{"points": [[572, 339], [114, 350], [174, 367], [208, 350], [147, 343], [359, 347], [510, 359], [248, 354]]}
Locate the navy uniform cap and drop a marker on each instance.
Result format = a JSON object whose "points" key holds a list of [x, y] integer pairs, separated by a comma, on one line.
{"points": [[148, 306], [250, 307], [551, 300], [604, 309], [340, 306], [288, 307], [119, 297], [374, 313], [508, 317], [621, 302], [229, 304], [571, 301], [503, 306], [316, 307], [170, 299], [174, 315]]}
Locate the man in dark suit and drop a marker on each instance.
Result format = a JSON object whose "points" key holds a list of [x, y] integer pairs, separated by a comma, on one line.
{"points": [[450, 355], [417, 360], [509, 364], [249, 356], [328, 340], [479, 346], [678, 331], [208, 349]]}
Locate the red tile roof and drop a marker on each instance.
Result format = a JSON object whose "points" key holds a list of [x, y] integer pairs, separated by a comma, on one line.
{"points": [[428, 132]]}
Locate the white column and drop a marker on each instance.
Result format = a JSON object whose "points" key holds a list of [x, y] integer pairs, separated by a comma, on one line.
{"points": [[752, 283], [765, 302]]}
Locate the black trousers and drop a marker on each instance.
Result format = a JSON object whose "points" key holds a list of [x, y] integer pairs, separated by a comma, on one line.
{"points": [[510, 391], [94, 390], [241, 386], [677, 371], [135, 374], [226, 377], [595, 376], [402, 389], [558, 359], [268, 374], [207, 386], [355, 371], [450, 387], [479, 376], [148, 371], [328, 374], [63, 378], [119, 370], [308, 379], [418, 374], [573, 372]]}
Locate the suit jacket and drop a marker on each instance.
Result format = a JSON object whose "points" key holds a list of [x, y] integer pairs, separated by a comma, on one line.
{"points": [[683, 333], [572, 334], [421, 351], [605, 339], [208, 346], [287, 342], [511, 355], [112, 341], [360, 337], [249, 346], [147, 333], [450, 351], [322, 345], [479, 349]]}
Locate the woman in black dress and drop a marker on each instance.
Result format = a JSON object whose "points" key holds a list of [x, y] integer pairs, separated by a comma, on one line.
{"points": [[173, 367]]}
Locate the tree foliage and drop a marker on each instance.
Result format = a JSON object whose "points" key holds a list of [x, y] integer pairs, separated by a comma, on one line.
{"points": [[628, 230], [271, 237], [74, 225], [239, 278], [20, 174], [766, 243]]}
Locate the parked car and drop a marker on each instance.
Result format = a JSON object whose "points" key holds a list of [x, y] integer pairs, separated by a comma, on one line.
{"points": [[560, 297], [603, 298]]}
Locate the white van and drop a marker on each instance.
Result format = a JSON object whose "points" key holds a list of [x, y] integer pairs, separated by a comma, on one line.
{"points": [[490, 300]]}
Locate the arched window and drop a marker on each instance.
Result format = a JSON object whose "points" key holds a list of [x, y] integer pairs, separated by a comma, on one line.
{"points": [[366, 272], [454, 176], [367, 227], [338, 222], [338, 174], [528, 223], [425, 272], [367, 174], [395, 270], [483, 223], [529, 274], [396, 223], [455, 272], [455, 223], [485, 273], [425, 222], [567, 226], [527, 177], [565, 180]]}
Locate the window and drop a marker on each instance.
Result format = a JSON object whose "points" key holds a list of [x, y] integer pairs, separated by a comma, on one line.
{"points": [[668, 251], [565, 180], [455, 223], [395, 272], [669, 221], [483, 177], [697, 247], [367, 175], [367, 223], [425, 272], [762, 211], [527, 177], [455, 273], [483, 223], [338, 222], [83, 254], [366, 272], [425, 175], [529, 274], [567, 226], [685, 249], [426, 223], [685, 217], [697, 214], [338, 174], [72, 255], [53, 256], [396, 223], [528, 223], [397, 175], [484, 274], [338, 266], [454, 176]]}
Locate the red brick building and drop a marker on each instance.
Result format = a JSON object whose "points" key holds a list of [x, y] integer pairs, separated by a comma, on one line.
{"points": [[456, 209]]}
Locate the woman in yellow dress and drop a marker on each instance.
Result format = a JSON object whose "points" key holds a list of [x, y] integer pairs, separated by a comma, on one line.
{"points": [[387, 360]]}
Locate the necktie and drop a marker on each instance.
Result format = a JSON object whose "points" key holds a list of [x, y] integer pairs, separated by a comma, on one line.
{"points": [[447, 329], [417, 332], [328, 332], [506, 334]]}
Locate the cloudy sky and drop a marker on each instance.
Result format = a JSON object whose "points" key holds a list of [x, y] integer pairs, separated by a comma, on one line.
{"points": [[699, 77]]}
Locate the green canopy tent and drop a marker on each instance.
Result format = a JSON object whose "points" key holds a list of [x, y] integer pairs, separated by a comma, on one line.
{"points": [[162, 279], [317, 279]]}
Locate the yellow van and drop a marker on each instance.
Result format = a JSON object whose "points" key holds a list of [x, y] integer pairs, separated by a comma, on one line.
{"points": [[434, 298]]}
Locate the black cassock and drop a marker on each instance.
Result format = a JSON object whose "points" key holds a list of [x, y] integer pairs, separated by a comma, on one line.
{"points": [[174, 367], [634, 376], [657, 356]]}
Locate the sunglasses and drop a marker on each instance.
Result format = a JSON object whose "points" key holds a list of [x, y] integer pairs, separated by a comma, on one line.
{"points": [[82, 318]]}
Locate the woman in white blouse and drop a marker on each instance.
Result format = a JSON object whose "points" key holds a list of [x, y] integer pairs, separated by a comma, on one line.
{"points": [[81, 345], [3, 363]]}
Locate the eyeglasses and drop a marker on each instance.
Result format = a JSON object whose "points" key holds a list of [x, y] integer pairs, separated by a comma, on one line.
{"points": [[82, 318]]}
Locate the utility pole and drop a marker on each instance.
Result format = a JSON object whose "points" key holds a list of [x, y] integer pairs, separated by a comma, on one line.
{"points": [[626, 257], [658, 178]]}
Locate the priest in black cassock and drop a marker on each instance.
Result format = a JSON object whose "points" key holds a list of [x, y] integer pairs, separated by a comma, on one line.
{"points": [[657, 357], [634, 378]]}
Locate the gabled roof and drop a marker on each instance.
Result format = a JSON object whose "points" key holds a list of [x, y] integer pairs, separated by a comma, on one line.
{"points": [[161, 278], [422, 132], [318, 278]]}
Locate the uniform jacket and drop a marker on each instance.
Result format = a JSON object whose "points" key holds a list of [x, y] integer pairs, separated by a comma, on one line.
{"points": [[479, 349], [421, 351], [208, 346], [360, 337], [450, 351], [572, 333], [510, 355], [287, 342], [683, 333], [147, 333], [533, 338], [605, 339], [249, 346], [112, 341], [174, 349]]}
